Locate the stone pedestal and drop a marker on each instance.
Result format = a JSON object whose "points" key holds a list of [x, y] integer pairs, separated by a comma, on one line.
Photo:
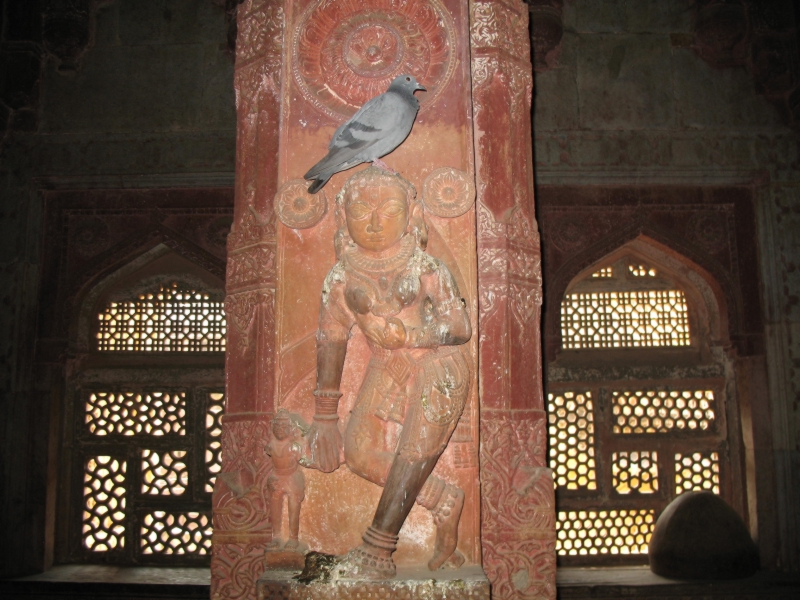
{"points": [[410, 584]]}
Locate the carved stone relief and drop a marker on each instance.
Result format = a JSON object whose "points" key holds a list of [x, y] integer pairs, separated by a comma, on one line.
{"points": [[298, 209], [346, 52], [448, 192]]}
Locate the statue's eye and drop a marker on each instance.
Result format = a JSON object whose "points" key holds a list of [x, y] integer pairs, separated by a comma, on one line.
{"points": [[359, 210], [392, 209]]}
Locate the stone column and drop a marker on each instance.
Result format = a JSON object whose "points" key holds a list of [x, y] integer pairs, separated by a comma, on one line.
{"points": [[241, 515], [302, 68], [517, 497]]}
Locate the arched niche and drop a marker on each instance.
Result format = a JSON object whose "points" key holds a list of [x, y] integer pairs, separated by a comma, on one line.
{"points": [[144, 274], [706, 301]]}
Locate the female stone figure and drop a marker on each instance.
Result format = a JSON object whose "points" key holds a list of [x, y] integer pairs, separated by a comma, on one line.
{"points": [[408, 306]]}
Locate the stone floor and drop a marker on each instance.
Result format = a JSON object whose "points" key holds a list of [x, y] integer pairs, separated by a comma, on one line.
{"points": [[100, 582]]}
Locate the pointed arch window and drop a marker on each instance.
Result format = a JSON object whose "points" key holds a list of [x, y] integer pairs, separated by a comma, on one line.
{"points": [[636, 402], [148, 397]]}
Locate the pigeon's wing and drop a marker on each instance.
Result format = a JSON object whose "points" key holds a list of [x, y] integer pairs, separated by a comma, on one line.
{"points": [[373, 123]]}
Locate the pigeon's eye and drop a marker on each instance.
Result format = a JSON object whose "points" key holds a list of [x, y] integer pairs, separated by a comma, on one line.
{"points": [[408, 78]]}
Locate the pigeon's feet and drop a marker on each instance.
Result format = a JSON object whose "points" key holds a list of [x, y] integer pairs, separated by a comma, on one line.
{"points": [[379, 163]]}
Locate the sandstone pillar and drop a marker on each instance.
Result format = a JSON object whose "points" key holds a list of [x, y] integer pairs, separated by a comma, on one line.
{"points": [[302, 68]]}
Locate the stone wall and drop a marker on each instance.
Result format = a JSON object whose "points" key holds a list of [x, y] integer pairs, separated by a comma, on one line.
{"points": [[95, 95], [636, 98]]}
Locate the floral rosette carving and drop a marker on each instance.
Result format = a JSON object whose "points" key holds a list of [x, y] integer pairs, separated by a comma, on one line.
{"points": [[448, 192], [345, 53], [298, 209]]}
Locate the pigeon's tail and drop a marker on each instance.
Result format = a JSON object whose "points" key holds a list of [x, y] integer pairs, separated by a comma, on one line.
{"points": [[317, 184]]}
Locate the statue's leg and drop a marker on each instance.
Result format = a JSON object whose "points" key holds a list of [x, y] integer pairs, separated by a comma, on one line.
{"points": [[364, 450], [445, 501], [294, 522], [276, 517]]}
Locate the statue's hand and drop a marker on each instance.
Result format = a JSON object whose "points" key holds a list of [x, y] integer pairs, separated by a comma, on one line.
{"points": [[387, 333], [326, 445]]}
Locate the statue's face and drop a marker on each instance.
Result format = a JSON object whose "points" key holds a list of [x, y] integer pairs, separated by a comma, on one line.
{"points": [[281, 429], [377, 216]]}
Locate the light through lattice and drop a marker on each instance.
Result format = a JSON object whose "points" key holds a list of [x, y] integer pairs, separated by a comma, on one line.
{"points": [[173, 319], [132, 413], [164, 473], [660, 411], [696, 472], [634, 472], [176, 533], [641, 271], [213, 451], [625, 319], [571, 432], [104, 503], [603, 273], [587, 532]]}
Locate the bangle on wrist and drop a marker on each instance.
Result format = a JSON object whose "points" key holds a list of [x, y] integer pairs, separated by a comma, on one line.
{"points": [[327, 403]]}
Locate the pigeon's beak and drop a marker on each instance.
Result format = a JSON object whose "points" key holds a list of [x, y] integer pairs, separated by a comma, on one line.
{"points": [[420, 88]]}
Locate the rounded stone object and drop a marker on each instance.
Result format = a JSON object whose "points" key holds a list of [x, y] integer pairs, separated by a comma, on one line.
{"points": [[698, 536]]}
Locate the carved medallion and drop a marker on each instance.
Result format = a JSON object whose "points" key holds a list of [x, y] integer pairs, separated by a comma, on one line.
{"points": [[298, 209], [448, 192], [345, 53]]}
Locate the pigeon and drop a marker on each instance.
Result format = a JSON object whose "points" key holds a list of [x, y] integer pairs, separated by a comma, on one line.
{"points": [[380, 126]]}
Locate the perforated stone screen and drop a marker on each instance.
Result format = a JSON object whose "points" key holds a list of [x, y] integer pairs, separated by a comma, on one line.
{"points": [[104, 502], [171, 320], [697, 471], [136, 412], [213, 451], [588, 532], [164, 473], [662, 411], [635, 472], [571, 432], [176, 533], [629, 319]]}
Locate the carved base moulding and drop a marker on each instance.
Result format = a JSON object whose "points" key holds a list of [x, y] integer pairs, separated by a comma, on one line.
{"points": [[466, 583]]}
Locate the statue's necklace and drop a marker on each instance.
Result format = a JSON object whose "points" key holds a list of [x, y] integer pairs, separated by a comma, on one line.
{"points": [[381, 272]]}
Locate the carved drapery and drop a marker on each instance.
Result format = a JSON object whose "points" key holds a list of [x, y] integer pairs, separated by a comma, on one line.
{"points": [[241, 516], [517, 500]]}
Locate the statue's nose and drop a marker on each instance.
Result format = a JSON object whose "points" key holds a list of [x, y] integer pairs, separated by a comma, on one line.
{"points": [[374, 223]]}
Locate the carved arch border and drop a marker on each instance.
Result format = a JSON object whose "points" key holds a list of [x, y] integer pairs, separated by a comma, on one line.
{"points": [[83, 308], [709, 288]]}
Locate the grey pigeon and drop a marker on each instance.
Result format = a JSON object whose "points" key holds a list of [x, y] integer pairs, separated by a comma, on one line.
{"points": [[380, 126]]}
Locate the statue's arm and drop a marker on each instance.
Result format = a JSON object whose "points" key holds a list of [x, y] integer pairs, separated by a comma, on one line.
{"points": [[335, 322], [449, 323]]}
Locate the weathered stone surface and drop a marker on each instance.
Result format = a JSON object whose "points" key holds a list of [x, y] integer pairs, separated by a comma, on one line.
{"points": [[698, 536], [615, 89], [410, 584]]}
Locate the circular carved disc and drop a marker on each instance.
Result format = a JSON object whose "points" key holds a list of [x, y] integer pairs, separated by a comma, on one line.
{"points": [[348, 52], [298, 209], [448, 192]]}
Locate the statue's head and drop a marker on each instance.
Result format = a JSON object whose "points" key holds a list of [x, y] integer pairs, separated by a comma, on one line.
{"points": [[379, 209], [282, 425]]}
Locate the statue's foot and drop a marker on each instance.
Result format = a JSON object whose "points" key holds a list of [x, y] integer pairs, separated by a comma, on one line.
{"points": [[446, 515], [291, 545], [275, 544], [365, 563]]}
